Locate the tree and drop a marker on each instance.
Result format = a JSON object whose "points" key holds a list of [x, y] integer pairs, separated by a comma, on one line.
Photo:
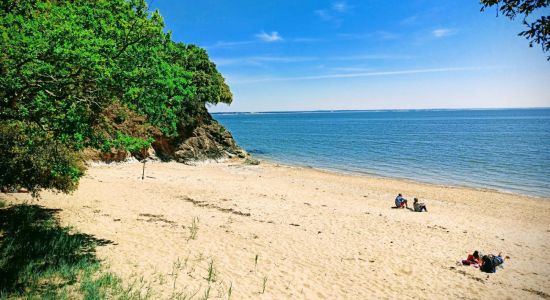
{"points": [[538, 31], [101, 74]]}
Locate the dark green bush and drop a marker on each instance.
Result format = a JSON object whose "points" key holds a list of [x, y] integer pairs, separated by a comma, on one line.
{"points": [[32, 159]]}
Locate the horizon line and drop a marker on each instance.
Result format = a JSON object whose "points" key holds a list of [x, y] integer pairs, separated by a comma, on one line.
{"points": [[379, 110]]}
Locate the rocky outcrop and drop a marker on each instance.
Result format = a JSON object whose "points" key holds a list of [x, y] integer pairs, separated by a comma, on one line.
{"points": [[207, 141], [211, 141]]}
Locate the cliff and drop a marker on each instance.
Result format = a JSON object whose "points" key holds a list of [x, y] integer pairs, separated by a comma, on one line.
{"points": [[209, 140]]}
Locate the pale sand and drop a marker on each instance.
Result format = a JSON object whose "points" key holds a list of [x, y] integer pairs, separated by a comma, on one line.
{"points": [[317, 235]]}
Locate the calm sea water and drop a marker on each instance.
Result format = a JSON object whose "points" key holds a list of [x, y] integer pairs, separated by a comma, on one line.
{"points": [[508, 150]]}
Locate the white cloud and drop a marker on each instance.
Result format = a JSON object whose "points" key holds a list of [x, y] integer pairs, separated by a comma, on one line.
{"points": [[334, 12], [386, 35], [269, 37], [350, 69], [340, 6], [381, 34], [363, 74], [261, 60], [228, 44], [324, 15], [409, 21], [373, 57], [443, 32], [262, 36]]}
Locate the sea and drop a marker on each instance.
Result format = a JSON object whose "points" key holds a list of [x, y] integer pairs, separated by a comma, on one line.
{"points": [[502, 149]]}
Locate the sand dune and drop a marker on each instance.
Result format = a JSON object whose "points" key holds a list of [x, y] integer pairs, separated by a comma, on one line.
{"points": [[304, 234]]}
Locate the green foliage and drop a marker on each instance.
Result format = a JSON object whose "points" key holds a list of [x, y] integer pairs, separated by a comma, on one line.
{"points": [[538, 31], [65, 64], [126, 142], [30, 158]]}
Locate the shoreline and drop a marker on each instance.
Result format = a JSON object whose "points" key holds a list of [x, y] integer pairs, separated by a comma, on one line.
{"points": [[303, 232], [334, 171], [441, 149], [418, 181]]}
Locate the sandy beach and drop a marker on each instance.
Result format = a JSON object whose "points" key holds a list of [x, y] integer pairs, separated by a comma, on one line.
{"points": [[279, 232]]}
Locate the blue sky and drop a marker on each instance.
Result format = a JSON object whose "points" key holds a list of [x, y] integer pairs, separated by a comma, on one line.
{"points": [[368, 54]]}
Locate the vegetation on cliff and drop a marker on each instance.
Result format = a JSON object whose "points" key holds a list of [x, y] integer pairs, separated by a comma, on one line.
{"points": [[93, 74]]}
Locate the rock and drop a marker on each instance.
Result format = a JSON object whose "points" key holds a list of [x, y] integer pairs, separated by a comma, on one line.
{"points": [[164, 149], [152, 154], [251, 161], [242, 154], [207, 141]]}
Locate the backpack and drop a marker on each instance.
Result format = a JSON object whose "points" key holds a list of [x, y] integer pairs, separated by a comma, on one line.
{"points": [[488, 264]]}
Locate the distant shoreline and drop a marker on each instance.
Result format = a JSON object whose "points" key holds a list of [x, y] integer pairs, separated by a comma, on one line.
{"points": [[376, 110]]}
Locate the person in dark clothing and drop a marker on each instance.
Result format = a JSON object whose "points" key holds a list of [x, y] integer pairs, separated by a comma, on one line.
{"points": [[489, 263]]}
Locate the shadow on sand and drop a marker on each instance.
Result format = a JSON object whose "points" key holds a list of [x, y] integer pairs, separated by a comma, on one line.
{"points": [[37, 255]]}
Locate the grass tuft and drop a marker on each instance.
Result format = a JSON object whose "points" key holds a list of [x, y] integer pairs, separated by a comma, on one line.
{"points": [[211, 277], [206, 293], [194, 229], [264, 283]]}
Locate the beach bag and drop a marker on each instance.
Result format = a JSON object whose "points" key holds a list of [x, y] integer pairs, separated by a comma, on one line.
{"points": [[488, 265]]}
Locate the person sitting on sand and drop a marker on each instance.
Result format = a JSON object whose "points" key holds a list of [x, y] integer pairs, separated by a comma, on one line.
{"points": [[473, 260], [489, 263], [419, 207], [400, 202]]}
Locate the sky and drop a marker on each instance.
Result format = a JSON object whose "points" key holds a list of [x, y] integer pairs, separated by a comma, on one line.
{"points": [[363, 54]]}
